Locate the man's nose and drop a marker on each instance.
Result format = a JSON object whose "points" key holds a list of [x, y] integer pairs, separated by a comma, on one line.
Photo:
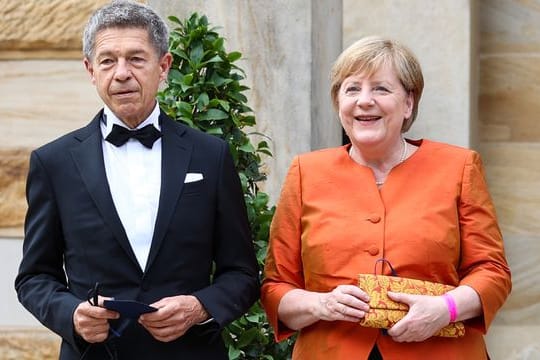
{"points": [[122, 71]]}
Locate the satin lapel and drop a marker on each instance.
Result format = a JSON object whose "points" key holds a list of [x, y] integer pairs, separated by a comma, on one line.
{"points": [[88, 157], [175, 156]]}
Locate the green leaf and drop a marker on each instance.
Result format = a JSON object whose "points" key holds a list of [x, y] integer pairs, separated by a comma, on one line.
{"points": [[216, 58], [234, 353], [247, 337], [218, 80], [225, 105], [180, 53], [185, 108], [214, 131], [247, 147], [203, 101], [265, 152], [197, 54], [213, 114], [233, 56], [174, 19], [218, 43]]}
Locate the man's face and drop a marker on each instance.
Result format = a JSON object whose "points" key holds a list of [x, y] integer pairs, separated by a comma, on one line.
{"points": [[126, 71]]}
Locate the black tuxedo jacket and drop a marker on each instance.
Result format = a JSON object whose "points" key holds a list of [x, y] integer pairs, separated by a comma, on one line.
{"points": [[74, 238]]}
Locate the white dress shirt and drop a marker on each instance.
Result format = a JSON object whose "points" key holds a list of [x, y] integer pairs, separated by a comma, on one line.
{"points": [[134, 176]]}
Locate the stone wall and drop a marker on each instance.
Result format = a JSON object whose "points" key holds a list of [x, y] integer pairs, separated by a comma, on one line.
{"points": [[43, 29], [39, 99], [13, 169], [510, 144], [44, 92]]}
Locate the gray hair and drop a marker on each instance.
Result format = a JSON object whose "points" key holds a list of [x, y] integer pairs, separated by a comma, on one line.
{"points": [[126, 14]]}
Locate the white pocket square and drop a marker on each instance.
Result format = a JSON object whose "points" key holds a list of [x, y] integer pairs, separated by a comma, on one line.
{"points": [[192, 177]]}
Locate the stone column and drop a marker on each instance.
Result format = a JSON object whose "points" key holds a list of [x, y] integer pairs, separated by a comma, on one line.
{"points": [[442, 35], [510, 139], [287, 48]]}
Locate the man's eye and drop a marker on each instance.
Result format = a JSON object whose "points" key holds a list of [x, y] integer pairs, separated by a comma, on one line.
{"points": [[105, 62], [137, 59]]}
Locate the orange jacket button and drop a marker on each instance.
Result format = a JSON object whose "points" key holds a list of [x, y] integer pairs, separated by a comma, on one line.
{"points": [[374, 218], [373, 250]]}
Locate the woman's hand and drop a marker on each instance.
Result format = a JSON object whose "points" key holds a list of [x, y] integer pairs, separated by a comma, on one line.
{"points": [[426, 316], [345, 302], [300, 308]]}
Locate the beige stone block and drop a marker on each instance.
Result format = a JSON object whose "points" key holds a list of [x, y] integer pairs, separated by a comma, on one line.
{"points": [[513, 175], [493, 132], [41, 100], [509, 26], [29, 27], [13, 170], [509, 88], [28, 344]]}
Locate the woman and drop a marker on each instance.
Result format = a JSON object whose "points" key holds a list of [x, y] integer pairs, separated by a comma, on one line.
{"points": [[422, 205]]}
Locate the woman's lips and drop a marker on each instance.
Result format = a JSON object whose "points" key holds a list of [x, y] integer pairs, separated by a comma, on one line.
{"points": [[367, 118]]}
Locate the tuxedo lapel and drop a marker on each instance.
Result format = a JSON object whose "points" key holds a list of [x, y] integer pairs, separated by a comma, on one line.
{"points": [[88, 157], [176, 154]]}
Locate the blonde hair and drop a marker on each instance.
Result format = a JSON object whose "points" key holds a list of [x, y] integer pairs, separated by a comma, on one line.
{"points": [[370, 54]]}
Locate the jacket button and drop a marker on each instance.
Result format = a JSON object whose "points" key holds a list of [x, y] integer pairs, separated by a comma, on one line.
{"points": [[373, 250], [374, 218]]}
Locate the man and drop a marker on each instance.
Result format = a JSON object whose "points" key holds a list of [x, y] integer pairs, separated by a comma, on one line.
{"points": [[158, 218]]}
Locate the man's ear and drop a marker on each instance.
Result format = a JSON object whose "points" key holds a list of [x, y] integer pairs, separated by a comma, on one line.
{"points": [[90, 69], [165, 64]]}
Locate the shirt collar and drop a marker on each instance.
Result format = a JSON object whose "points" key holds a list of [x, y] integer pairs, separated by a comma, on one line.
{"points": [[109, 119]]}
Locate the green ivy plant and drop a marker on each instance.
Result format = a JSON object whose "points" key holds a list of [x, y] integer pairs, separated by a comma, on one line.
{"points": [[204, 91]]}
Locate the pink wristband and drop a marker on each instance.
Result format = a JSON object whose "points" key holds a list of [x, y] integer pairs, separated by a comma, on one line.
{"points": [[452, 309]]}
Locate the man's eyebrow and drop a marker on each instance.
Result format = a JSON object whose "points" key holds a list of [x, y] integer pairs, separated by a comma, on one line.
{"points": [[128, 53]]}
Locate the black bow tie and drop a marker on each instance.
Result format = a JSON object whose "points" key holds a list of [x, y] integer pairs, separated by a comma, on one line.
{"points": [[146, 135]]}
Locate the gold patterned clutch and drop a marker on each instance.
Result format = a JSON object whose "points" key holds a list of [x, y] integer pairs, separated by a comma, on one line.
{"points": [[384, 312]]}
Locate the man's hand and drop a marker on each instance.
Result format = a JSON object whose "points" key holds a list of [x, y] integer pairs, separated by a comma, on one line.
{"points": [[92, 322], [174, 317]]}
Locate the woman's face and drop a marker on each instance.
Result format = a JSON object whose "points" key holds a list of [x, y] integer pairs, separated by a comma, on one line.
{"points": [[372, 109]]}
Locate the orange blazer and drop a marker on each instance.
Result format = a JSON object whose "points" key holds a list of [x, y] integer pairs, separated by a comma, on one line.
{"points": [[433, 219]]}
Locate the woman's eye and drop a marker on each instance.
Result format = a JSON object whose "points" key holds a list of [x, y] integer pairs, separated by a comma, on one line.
{"points": [[381, 90], [352, 90]]}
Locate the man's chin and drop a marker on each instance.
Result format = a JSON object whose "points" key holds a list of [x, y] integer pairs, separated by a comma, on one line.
{"points": [[129, 114]]}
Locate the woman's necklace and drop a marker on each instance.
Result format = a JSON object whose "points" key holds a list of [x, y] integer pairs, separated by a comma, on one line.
{"points": [[401, 159]]}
